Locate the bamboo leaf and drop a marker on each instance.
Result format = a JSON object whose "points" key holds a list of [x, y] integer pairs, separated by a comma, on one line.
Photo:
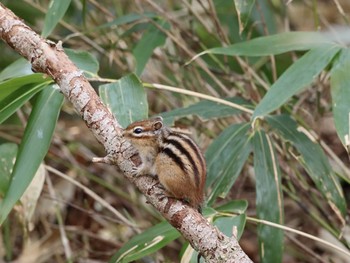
{"points": [[15, 92], [315, 162], [301, 74], [8, 153], [269, 199], [273, 45], [205, 110], [20, 67], [225, 159], [236, 222], [34, 146], [151, 39], [16, 99], [150, 241], [126, 98], [56, 11], [84, 61], [340, 88], [9, 86]]}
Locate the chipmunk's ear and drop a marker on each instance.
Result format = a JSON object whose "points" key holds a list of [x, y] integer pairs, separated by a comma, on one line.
{"points": [[158, 123]]}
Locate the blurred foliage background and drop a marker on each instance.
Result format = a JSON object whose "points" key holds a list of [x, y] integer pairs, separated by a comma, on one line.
{"points": [[273, 125]]}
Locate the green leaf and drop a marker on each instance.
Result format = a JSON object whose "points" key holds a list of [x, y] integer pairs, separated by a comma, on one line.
{"points": [[8, 153], [150, 241], [9, 86], [314, 161], [225, 159], [234, 206], [244, 9], [227, 224], [205, 110], [34, 146], [15, 92], [295, 78], [16, 99], [151, 39], [84, 61], [269, 198], [126, 98], [340, 88], [56, 11], [20, 67], [273, 45]]}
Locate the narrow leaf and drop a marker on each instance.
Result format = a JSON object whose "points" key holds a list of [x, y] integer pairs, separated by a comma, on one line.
{"points": [[17, 98], [273, 45], [234, 206], [233, 225], [56, 11], [225, 159], [8, 153], [150, 241], [20, 67], [205, 110], [269, 199], [126, 98], [15, 92], [34, 146], [84, 61], [340, 88], [151, 39], [9, 86], [301, 74], [314, 161]]}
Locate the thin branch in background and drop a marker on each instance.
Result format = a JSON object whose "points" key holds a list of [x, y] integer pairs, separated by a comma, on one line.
{"points": [[96, 197], [64, 239], [199, 95], [305, 248], [217, 23], [301, 233], [341, 11], [179, 42]]}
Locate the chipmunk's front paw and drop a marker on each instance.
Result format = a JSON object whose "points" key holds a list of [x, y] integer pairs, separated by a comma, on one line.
{"points": [[136, 170]]}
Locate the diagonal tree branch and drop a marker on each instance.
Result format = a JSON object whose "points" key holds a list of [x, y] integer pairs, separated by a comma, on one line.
{"points": [[49, 58]]}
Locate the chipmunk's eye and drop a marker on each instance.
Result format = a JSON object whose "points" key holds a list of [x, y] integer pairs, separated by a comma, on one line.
{"points": [[138, 130]]}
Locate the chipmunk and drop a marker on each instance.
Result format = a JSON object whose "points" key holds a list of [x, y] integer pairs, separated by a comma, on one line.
{"points": [[172, 156]]}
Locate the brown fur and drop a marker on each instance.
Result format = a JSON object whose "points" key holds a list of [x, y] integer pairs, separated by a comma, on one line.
{"points": [[173, 156]]}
